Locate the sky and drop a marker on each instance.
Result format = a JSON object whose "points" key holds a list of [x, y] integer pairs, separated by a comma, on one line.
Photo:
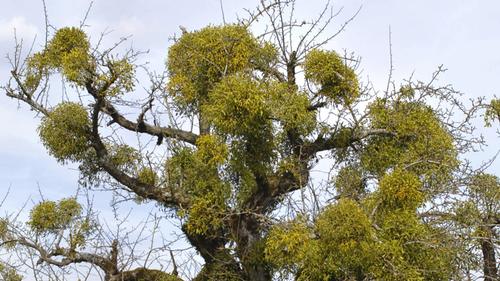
{"points": [[461, 35]]}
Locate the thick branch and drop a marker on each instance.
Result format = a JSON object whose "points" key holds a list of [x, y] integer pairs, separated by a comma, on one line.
{"points": [[143, 127], [69, 256], [334, 142], [142, 189]]}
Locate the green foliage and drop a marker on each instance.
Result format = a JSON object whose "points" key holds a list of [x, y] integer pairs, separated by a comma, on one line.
{"points": [[345, 239], [144, 274], [123, 156], [64, 132], [400, 190], [289, 165], [240, 169], [408, 249], [419, 141], [188, 173], [350, 183], [288, 244], [4, 229], [411, 250], [198, 60], [36, 68], [121, 77], [406, 92], [65, 41], [9, 274], [49, 216], [194, 175], [485, 189], [290, 108], [356, 241], [67, 52], [339, 246], [244, 108], [44, 217], [206, 214], [483, 203], [148, 176], [80, 232], [211, 150], [467, 213], [492, 112], [238, 106], [260, 135], [336, 80], [76, 66]]}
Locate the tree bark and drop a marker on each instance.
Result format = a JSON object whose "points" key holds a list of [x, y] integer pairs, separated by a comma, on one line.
{"points": [[247, 231], [489, 260]]}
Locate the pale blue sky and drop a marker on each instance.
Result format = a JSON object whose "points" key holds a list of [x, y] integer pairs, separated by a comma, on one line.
{"points": [[464, 36]]}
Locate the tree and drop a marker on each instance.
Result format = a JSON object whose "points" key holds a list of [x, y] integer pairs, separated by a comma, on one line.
{"points": [[478, 217], [233, 129]]}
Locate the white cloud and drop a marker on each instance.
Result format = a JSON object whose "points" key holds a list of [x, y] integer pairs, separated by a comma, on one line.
{"points": [[22, 28]]}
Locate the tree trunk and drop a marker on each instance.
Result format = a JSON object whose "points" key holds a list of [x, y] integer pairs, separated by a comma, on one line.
{"points": [[246, 229], [489, 259]]}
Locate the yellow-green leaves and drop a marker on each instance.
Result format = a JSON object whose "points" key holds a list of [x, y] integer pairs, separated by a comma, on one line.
{"points": [[492, 112], [194, 175], [36, 68], [345, 243], [64, 132], [80, 232], [338, 246], [238, 106], [336, 80], [148, 176], [4, 228], [483, 203], [9, 274], [199, 59], [288, 243], [52, 216], [406, 248], [76, 66], [485, 188], [63, 216], [123, 156], [211, 150], [206, 214], [65, 41], [416, 140], [290, 108], [346, 236], [68, 52], [467, 213], [120, 78], [349, 182], [243, 106], [400, 190]]}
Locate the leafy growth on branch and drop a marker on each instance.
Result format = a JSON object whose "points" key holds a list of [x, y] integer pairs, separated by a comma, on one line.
{"points": [[65, 132], [49, 216], [200, 59], [337, 81]]}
